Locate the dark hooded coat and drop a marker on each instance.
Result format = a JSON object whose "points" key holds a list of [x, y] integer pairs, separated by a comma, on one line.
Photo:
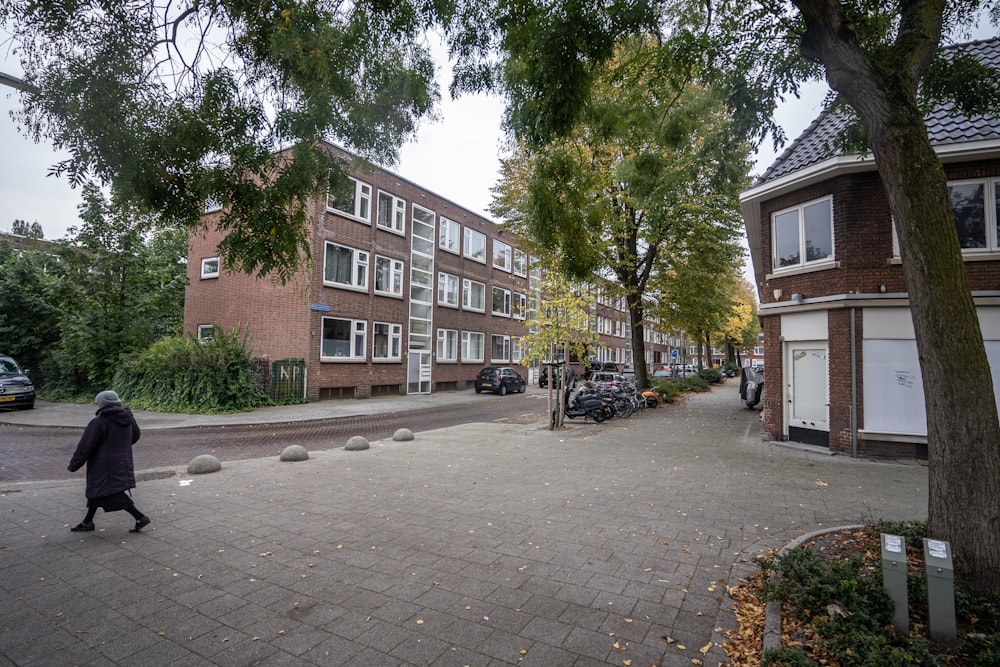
{"points": [[106, 448]]}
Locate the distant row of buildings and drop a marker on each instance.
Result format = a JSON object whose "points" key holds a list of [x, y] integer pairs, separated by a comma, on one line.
{"points": [[408, 293]]}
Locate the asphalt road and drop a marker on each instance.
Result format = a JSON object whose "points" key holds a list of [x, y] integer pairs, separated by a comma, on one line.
{"points": [[38, 453]]}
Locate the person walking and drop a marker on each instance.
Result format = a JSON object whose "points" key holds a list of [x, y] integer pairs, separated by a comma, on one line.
{"points": [[106, 449]]}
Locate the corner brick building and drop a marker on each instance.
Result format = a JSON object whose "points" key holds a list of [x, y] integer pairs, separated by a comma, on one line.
{"points": [[841, 359]]}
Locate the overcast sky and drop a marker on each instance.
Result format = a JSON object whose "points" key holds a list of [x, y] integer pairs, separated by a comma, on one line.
{"points": [[456, 157]]}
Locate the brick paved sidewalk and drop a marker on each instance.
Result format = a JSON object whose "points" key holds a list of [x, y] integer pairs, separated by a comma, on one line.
{"points": [[485, 544]]}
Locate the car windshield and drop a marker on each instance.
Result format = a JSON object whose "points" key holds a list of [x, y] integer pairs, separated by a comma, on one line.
{"points": [[8, 367], [488, 373]]}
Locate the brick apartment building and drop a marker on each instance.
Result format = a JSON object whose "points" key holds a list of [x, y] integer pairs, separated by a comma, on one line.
{"points": [[841, 358], [407, 293]]}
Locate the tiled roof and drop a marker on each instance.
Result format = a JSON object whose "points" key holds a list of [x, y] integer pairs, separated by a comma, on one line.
{"points": [[945, 125]]}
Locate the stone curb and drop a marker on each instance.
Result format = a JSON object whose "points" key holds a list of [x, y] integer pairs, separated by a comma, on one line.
{"points": [[772, 612]]}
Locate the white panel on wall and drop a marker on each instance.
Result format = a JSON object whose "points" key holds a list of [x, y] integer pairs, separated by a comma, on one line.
{"points": [[893, 389], [888, 323], [804, 326]]}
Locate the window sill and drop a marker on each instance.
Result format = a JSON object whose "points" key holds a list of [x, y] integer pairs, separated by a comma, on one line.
{"points": [[391, 230], [825, 266], [893, 437], [388, 294], [980, 256], [341, 360], [344, 286], [387, 360]]}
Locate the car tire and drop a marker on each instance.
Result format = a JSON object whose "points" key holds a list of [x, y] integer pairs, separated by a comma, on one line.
{"points": [[503, 389], [29, 406], [478, 390]]}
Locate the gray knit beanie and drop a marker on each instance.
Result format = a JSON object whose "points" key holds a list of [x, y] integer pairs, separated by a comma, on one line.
{"points": [[106, 398]]}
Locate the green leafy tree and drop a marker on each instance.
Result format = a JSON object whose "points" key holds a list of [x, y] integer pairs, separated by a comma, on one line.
{"points": [[30, 231], [120, 286], [633, 186], [29, 312], [176, 104], [876, 57], [559, 327]]}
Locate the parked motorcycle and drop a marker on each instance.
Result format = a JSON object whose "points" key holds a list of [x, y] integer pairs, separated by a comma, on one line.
{"points": [[582, 402]]}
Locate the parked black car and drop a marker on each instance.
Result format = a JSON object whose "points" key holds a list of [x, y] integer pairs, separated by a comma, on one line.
{"points": [[499, 380], [16, 389], [600, 367]]}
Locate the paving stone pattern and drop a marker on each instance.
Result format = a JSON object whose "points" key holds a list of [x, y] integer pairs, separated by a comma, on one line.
{"points": [[482, 544]]}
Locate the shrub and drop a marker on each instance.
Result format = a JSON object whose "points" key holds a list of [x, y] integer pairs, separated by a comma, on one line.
{"points": [[185, 374], [711, 375]]}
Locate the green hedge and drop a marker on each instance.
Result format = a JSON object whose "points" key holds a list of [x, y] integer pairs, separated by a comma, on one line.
{"points": [[194, 376]]}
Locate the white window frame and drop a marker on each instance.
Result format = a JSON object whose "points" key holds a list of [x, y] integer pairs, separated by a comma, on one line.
{"points": [[210, 268], [448, 291], [803, 262], [362, 202], [394, 338], [520, 262], [516, 349], [519, 306], [467, 337], [359, 268], [502, 255], [206, 331], [447, 345], [504, 348], [474, 245], [357, 340], [505, 301], [990, 214], [467, 293], [397, 213], [396, 271], [450, 236]]}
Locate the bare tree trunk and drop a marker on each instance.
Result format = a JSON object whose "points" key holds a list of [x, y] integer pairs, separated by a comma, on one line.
{"points": [[963, 431]]}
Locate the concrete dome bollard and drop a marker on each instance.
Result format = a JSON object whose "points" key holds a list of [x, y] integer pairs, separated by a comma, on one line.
{"points": [[204, 463], [357, 443], [402, 435], [294, 453]]}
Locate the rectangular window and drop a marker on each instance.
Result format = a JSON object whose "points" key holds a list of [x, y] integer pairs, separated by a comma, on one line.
{"points": [[388, 276], [519, 307], [499, 348], [520, 263], [472, 346], [501, 301], [391, 213], [447, 289], [803, 236], [501, 256], [210, 267], [450, 236], [387, 341], [206, 331], [345, 267], [343, 339], [447, 345], [350, 197], [475, 245], [473, 295], [516, 349]]}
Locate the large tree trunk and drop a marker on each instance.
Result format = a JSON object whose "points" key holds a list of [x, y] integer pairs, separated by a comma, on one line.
{"points": [[637, 315], [963, 431]]}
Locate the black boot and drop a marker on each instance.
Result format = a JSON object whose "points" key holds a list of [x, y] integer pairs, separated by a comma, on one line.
{"points": [[140, 524], [83, 526]]}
